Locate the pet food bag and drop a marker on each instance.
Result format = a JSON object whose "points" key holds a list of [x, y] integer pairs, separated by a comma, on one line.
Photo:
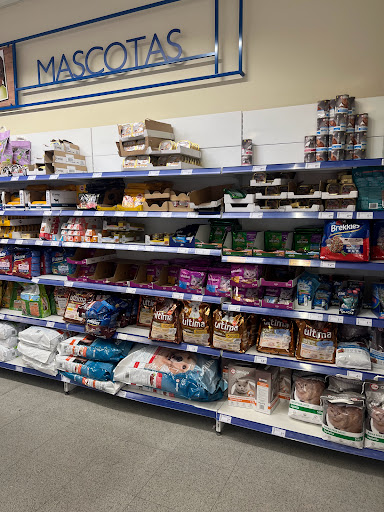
{"points": [[196, 325], [102, 317], [342, 384], [276, 336], [376, 349], [345, 240], [285, 383], [41, 337], [146, 310], [374, 426], [95, 349], [305, 400], [76, 300], [183, 374], [91, 369], [34, 301], [60, 297], [377, 240], [107, 386], [8, 353], [343, 418], [235, 332], [38, 358], [316, 341], [165, 322], [218, 284], [352, 347], [7, 330]]}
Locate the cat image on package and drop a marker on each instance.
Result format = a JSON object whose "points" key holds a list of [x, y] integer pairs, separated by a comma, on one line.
{"points": [[241, 385], [374, 426]]}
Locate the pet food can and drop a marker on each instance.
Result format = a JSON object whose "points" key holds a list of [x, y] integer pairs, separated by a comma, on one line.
{"points": [[361, 124], [340, 123], [322, 126], [321, 154], [332, 107], [342, 104], [337, 155], [323, 108], [351, 123], [338, 140], [351, 106], [310, 157], [360, 140], [331, 124], [359, 154], [309, 143], [349, 141], [321, 141], [348, 155]]}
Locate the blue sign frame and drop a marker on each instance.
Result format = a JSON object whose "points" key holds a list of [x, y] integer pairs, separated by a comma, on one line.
{"points": [[13, 44]]}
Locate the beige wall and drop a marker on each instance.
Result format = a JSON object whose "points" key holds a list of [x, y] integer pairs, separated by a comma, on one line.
{"points": [[296, 51]]}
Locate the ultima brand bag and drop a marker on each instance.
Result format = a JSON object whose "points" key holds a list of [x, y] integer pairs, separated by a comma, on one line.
{"points": [[345, 240]]}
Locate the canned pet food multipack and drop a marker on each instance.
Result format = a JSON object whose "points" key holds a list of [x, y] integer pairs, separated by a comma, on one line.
{"points": [[345, 240]]}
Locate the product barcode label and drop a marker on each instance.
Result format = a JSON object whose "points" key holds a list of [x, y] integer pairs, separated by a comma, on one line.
{"points": [[259, 168], [178, 296], [364, 215], [313, 165], [19, 368], [35, 279], [153, 173], [373, 206], [5, 241], [141, 214], [97, 175], [260, 360], [192, 348], [224, 418], [50, 324], [256, 215], [166, 214], [129, 289], [367, 322], [326, 215], [39, 242], [54, 176], [31, 178], [192, 215], [280, 432], [344, 215], [196, 298], [315, 316], [99, 214], [186, 171], [15, 178], [2, 212], [206, 252], [55, 242], [355, 375], [68, 283], [48, 213], [234, 307], [110, 246], [183, 250], [19, 242], [150, 248], [119, 214], [78, 213], [327, 264], [336, 319], [2, 317], [86, 245]]}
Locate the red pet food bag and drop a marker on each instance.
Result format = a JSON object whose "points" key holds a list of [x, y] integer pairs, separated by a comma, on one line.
{"points": [[345, 240]]}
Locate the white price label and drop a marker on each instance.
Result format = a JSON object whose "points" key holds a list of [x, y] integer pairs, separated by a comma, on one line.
{"points": [[153, 173], [326, 215], [166, 214], [234, 307], [344, 215], [47, 213], [256, 215], [178, 296], [192, 215], [31, 178], [259, 168], [85, 245], [99, 214], [191, 348], [54, 176], [19, 242], [78, 213], [68, 283], [39, 242], [119, 214], [260, 360], [315, 316], [50, 324], [336, 319], [327, 264], [122, 336], [150, 248], [110, 246], [5, 241], [224, 418], [197, 298], [2, 212], [35, 279], [55, 243], [205, 252], [2, 317], [355, 375], [15, 178], [367, 322], [280, 432], [142, 214], [364, 215], [183, 250], [382, 161], [313, 165], [129, 289], [19, 368], [186, 171], [97, 175]]}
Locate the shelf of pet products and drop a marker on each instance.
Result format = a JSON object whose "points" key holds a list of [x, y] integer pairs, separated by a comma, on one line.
{"points": [[302, 214], [106, 213], [134, 173], [52, 321], [280, 424], [300, 166], [371, 266], [366, 317]]}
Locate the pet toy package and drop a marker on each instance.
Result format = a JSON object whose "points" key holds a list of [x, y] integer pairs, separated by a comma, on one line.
{"points": [[276, 336], [304, 404], [107, 386], [374, 426], [182, 374], [96, 370], [196, 323], [233, 331], [241, 385], [165, 323], [345, 240], [316, 341], [146, 309], [343, 418], [34, 301], [352, 347], [95, 349], [377, 240]]}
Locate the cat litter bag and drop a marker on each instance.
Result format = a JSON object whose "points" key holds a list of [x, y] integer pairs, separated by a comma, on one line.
{"points": [[107, 386], [91, 369], [345, 240], [304, 404], [10, 342], [7, 330], [41, 337], [7, 353], [37, 354], [95, 350], [185, 374]]}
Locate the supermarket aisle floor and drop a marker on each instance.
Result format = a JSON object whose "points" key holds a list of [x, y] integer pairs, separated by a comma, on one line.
{"points": [[89, 451]]}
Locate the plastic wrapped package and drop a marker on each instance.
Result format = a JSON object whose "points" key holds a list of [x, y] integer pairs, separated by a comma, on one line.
{"points": [[304, 404], [7, 353], [183, 374], [352, 347], [107, 386], [91, 369], [374, 426], [95, 349], [42, 337], [38, 358], [7, 330]]}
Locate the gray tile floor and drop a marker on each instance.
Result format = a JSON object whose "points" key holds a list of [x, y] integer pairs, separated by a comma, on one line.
{"points": [[89, 451]]}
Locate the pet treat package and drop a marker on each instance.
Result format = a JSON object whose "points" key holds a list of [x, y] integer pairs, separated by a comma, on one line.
{"points": [[95, 349], [352, 347], [377, 240], [183, 374], [285, 386], [4, 144], [34, 301], [21, 152], [345, 240], [378, 300], [233, 331], [376, 349], [343, 418], [267, 389], [196, 324], [76, 300], [102, 316], [245, 276], [15, 300], [276, 336], [60, 265], [374, 426], [107, 386], [146, 309], [316, 341], [60, 296], [307, 285], [26, 263], [6, 260], [241, 385], [91, 369], [165, 323], [304, 404], [218, 284]]}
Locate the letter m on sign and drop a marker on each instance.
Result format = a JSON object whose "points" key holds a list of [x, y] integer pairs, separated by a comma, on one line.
{"points": [[46, 69]]}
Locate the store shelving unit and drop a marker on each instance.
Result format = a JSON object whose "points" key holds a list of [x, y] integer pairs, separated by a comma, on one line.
{"points": [[278, 423]]}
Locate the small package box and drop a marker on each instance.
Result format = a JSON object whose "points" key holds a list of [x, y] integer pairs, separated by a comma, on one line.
{"points": [[241, 385], [267, 389]]}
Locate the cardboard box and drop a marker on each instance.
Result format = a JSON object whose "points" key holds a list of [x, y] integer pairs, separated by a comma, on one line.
{"points": [[124, 273], [162, 206], [150, 143], [208, 197], [60, 157], [39, 170], [267, 389], [57, 168], [151, 129], [63, 145], [241, 385]]}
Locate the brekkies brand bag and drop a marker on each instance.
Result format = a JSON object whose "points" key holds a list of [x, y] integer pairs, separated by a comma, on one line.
{"points": [[165, 322], [276, 336], [234, 332], [345, 240], [317, 341], [195, 321]]}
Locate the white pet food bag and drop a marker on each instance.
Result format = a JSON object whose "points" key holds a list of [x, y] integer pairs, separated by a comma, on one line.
{"points": [[7, 330], [374, 427], [41, 337], [304, 404]]}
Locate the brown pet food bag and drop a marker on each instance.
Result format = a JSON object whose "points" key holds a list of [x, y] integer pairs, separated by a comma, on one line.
{"points": [[317, 341], [77, 299], [146, 309], [233, 331], [276, 336], [196, 324], [165, 321]]}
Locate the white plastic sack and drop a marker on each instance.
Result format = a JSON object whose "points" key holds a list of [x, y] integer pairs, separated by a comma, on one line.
{"points": [[7, 330], [10, 342], [37, 354], [6, 353], [41, 337], [49, 368]]}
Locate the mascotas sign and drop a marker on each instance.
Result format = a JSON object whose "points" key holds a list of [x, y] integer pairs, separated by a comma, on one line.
{"points": [[168, 50]]}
